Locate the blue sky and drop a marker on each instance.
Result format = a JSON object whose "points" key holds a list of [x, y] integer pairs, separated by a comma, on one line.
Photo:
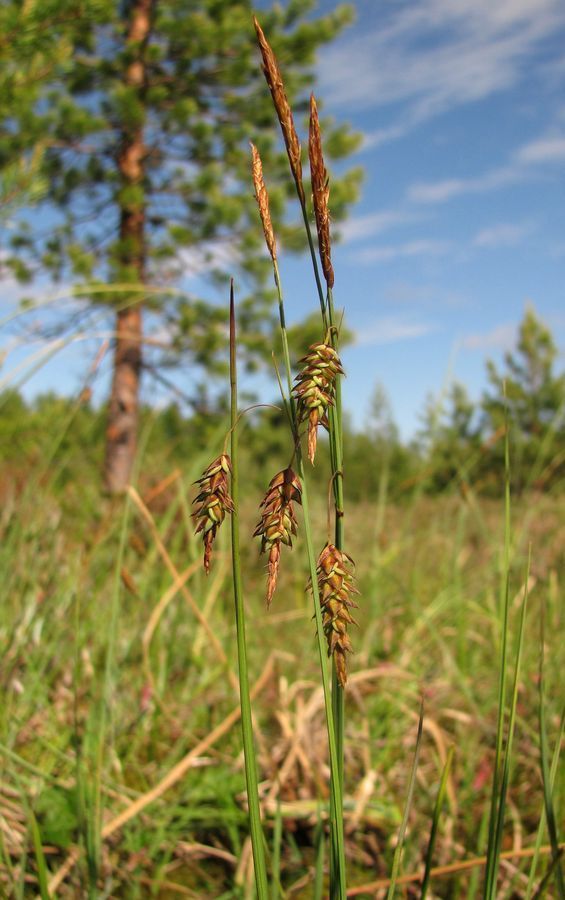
{"points": [[462, 219], [461, 224]]}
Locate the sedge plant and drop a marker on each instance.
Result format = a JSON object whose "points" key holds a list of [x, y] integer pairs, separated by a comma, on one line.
{"points": [[315, 399], [312, 399]]}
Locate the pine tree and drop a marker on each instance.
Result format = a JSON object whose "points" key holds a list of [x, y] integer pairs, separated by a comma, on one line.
{"points": [[533, 396], [451, 438], [147, 162], [35, 46]]}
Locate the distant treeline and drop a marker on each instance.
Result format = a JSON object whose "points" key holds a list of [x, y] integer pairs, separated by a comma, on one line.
{"points": [[460, 445]]}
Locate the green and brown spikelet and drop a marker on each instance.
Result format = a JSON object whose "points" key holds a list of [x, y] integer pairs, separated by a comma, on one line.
{"points": [[336, 585], [262, 198], [284, 113], [320, 192], [314, 390], [214, 502], [278, 521]]}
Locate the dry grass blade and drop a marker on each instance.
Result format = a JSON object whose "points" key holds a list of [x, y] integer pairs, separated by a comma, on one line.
{"points": [[156, 615], [163, 552], [440, 871], [320, 192], [171, 778], [276, 86], [397, 859]]}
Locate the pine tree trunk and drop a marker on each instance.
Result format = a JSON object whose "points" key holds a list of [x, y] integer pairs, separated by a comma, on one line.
{"points": [[123, 413]]}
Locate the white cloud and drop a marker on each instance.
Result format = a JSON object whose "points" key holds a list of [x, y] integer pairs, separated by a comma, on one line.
{"points": [[524, 164], [441, 191], [385, 253], [360, 227], [505, 234], [548, 149], [202, 259], [435, 55], [390, 329], [374, 139], [503, 337]]}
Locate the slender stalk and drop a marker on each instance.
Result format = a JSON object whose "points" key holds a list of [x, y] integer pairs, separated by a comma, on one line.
{"points": [[337, 859], [492, 855], [541, 826], [339, 887], [276, 854], [315, 266], [550, 817], [336, 457], [257, 838], [511, 727], [435, 823], [404, 824]]}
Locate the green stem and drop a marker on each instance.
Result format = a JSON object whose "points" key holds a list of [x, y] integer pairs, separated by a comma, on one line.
{"points": [[314, 260], [336, 800], [257, 838], [492, 853], [333, 699], [336, 456]]}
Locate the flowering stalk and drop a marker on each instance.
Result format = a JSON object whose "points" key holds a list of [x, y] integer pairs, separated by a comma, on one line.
{"points": [[333, 702], [257, 836]]}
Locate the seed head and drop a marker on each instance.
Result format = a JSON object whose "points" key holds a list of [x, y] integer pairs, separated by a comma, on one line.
{"points": [[320, 192], [336, 585], [278, 521], [276, 86], [212, 503], [263, 201], [314, 390]]}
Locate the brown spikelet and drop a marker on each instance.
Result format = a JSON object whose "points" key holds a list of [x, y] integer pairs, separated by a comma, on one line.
{"points": [[336, 585], [263, 201], [314, 390], [282, 107], [320, 192], [212, 503], [278, 521]]}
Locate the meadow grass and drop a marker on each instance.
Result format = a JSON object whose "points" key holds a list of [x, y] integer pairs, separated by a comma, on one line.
{"points": [[127, 675], [429, 625]]}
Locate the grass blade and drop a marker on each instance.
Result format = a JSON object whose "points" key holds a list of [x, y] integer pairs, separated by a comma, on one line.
{"points": [[555, 862], [510, 737], [256, 829], [276, 859], [319, 846], [546, 779], [539, 836], [435, 822], [490, 876], [39, 858], [411, 785]]}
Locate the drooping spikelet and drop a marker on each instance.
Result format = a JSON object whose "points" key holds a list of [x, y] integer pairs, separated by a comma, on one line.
{"points": [[314, 390], [214, 502], [320, 192], [263, 201], [276, 86], [278, 521], [336, 585]]}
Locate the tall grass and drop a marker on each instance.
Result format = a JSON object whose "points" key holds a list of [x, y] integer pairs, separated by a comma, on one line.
{"points": [[119, 738]]}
